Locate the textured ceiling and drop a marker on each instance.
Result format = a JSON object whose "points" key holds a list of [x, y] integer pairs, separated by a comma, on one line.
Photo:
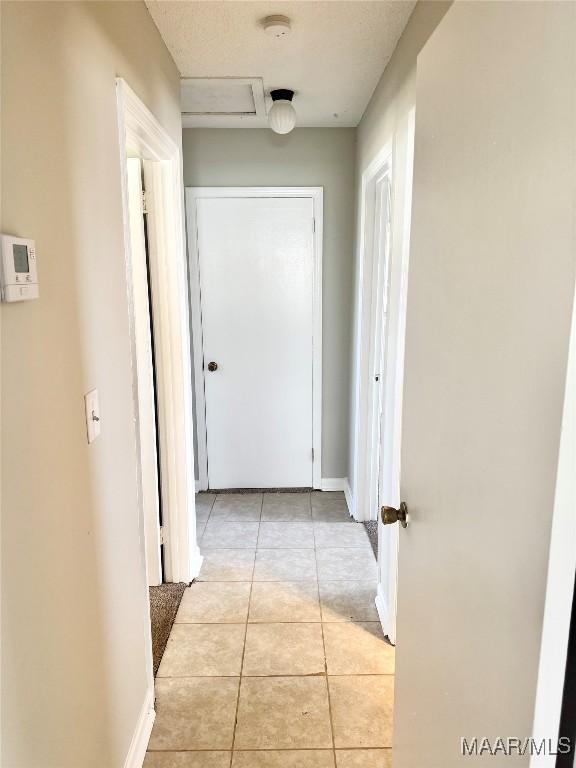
{"points": [[333, 58]]}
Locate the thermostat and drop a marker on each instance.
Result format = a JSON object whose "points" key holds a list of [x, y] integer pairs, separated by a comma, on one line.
{"points": [[19, 275]]}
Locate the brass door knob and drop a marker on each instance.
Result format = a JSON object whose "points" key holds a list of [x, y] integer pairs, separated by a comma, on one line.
{"points": [[391, 515], [212, 366]]}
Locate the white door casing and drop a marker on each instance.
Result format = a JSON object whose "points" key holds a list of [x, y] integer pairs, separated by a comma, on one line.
{"points": [[145, 375], [489, 307], [255, 265]]}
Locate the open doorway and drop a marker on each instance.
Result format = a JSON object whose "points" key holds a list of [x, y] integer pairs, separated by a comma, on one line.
{"points": [[385, 226], [161, 366]]}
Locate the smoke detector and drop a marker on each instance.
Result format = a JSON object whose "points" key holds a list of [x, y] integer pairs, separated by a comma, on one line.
{"points": [[276, 26]]}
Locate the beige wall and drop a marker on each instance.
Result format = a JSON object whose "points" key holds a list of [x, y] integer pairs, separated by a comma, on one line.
{"points": [[385, 122], [73, 666], [307, 157]]}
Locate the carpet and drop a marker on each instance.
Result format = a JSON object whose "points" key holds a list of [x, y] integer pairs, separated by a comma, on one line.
{"points": [[372, 531], [164, 602]]}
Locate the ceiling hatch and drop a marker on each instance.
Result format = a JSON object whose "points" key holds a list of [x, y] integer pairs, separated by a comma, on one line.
{"points": [[209, 101]]}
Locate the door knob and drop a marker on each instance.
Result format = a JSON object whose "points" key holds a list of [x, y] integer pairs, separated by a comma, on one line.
{"points": [[212, 366], [391, 515]]}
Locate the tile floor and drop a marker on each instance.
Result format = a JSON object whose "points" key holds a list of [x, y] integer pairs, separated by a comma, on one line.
{"points": [[276, 658]]}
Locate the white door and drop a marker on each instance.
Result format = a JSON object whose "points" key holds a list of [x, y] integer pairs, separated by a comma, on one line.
{"points": [[145, 374], [256, 272], [489, 304], [386, 475]]}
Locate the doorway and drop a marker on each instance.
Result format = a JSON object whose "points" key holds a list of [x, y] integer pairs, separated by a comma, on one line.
{"points": [[256, 274], [385, 228], [146, 373]]}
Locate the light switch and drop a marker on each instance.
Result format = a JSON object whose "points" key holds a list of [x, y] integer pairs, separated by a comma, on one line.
{"points": [[92, 415]]}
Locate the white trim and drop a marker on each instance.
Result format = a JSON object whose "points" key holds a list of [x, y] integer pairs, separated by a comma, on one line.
{"points": [[333, 484], [141, 135], [349, 498], [317, 196], [560, 582], [141, 736], [365, 483], [381, 608]]}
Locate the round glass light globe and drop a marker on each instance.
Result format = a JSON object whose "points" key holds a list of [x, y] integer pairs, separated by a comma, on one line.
{"points": [[282, 116]]}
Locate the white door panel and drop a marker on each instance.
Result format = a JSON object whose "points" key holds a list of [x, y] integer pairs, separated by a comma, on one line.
{"points": [[490, 291], [256, 282]]}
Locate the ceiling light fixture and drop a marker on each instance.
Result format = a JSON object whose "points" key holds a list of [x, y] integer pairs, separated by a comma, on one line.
{"points": [[282, 115], [276, 26]]}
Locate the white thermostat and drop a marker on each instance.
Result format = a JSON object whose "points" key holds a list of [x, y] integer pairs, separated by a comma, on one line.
{"points": [[19, 275]]}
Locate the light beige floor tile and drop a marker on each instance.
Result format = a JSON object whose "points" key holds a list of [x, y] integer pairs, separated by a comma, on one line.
{"points": [[362, 710], [340, 535], [357, 649], [241, 507], [284, 601], [203, 650], [348, 601], [290, 758], [283, 713], [194, 713], [286, 536], [285, 565], [187, 760], [329, 507], [200, 528], [221, 534], [325, 498], [227, 565], [291, 507], [284, 649], [214, 602], [364, 758], [332, 513], [346, 564], [204, 502]]}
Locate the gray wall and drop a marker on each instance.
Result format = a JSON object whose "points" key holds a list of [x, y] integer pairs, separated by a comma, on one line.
{"points": [[73, 580], [385, 121], [307, 157]]}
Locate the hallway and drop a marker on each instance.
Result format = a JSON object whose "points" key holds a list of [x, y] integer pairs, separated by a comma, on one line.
{"points": [[276, 658]]}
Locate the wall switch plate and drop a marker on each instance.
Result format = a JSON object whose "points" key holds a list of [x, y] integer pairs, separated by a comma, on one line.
{"points": [[92, 406]]}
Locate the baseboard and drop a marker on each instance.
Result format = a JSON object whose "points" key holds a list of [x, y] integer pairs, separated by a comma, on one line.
{"points": [[384, 616], [349, 497], [333, 483], [141, 737], [195, 563]]}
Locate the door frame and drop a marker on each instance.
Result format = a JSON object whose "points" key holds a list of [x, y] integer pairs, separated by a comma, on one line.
{"points": [[143, 342], [316, 194], [366, 438], [141, 135], [560, 575]]}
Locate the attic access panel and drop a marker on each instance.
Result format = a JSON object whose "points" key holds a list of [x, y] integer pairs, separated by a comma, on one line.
{"points": [[209, 99]]}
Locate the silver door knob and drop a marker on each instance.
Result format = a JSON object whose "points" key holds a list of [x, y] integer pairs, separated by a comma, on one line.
{"points": [[391, 515]]}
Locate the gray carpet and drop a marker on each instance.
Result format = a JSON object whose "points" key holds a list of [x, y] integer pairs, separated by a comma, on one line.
{"points": [[372, 531], [164, 602]]}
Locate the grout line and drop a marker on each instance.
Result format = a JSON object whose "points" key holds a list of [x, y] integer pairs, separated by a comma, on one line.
{"points": [[276, 675], [326, 673], [266, 749], [244, 646]]}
